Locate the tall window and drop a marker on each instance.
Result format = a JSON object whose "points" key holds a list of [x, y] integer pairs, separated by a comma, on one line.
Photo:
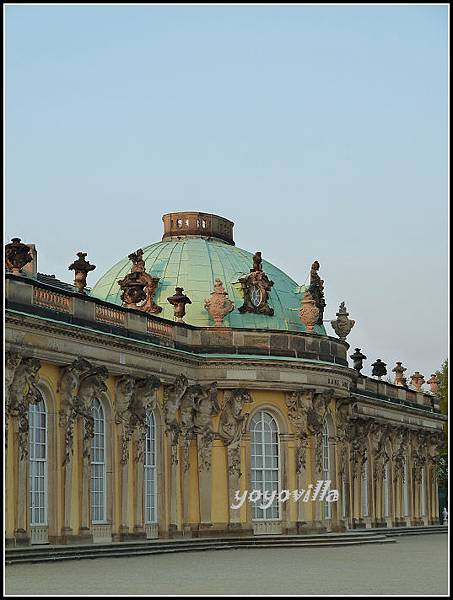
{"points": [[265, 463], [386, 491], [37, 416], [150, 479], [405, 491], [422, 494], [365, 508], [98, 479], [326, 466]]}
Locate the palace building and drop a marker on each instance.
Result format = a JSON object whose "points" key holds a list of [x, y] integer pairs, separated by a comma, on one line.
{"points": [[191, 371]]}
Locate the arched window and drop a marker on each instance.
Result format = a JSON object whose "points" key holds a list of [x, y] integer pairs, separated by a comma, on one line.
{"points": [[386, 491], [98, 475], [150, 478], [265, 463], [365, 488], [326, 466], [37, 416]]}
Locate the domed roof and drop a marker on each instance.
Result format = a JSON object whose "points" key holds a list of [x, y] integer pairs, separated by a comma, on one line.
{"points": [[193, 263]]}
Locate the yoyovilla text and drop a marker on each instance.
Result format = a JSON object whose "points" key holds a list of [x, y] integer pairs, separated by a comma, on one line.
{"points": [[320, 492]]}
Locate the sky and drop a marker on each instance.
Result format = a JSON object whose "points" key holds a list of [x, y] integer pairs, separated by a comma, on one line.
{"points": [[321, 131]]}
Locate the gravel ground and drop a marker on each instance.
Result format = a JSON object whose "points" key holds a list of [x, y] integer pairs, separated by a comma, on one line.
{"points": [[414, 565]]}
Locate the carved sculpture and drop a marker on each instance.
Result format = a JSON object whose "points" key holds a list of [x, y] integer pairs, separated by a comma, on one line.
{"points": [[316, 414], [81, 268], [358, 359], [138, 264], [342, 430], [342, 325], [125, 388], [218, 305], [436, 442], [433, 383], [316, 290], [298, 404], [380, 435], [417, 380], [12, 361], [379, 369], [139, 288], [257, 262], [231, 427], [309, 312], [142, 403], [256, 287], [358, 430], [179, 301], [401, 441], [17, 255], [172, 401], [399, 375], [206, 406], [419, 452], [22, 377], [80, 384]]}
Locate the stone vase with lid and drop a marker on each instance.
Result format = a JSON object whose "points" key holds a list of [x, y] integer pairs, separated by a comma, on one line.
{"points": [[309, 312]]}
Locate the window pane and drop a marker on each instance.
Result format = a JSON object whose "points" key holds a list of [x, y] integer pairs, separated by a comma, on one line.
{"points": [[264, 462]]}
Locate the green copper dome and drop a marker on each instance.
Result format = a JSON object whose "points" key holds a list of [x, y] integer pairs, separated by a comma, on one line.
{"points": [[194, 263]]}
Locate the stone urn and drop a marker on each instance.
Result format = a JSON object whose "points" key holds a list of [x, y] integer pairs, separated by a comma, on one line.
{"points": [[17, 255], [342, 324], [81, 267], [309, 312], [399, 375], [417, 380], [218, 305], [179, 301], [433, 383], [358, 359]]}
